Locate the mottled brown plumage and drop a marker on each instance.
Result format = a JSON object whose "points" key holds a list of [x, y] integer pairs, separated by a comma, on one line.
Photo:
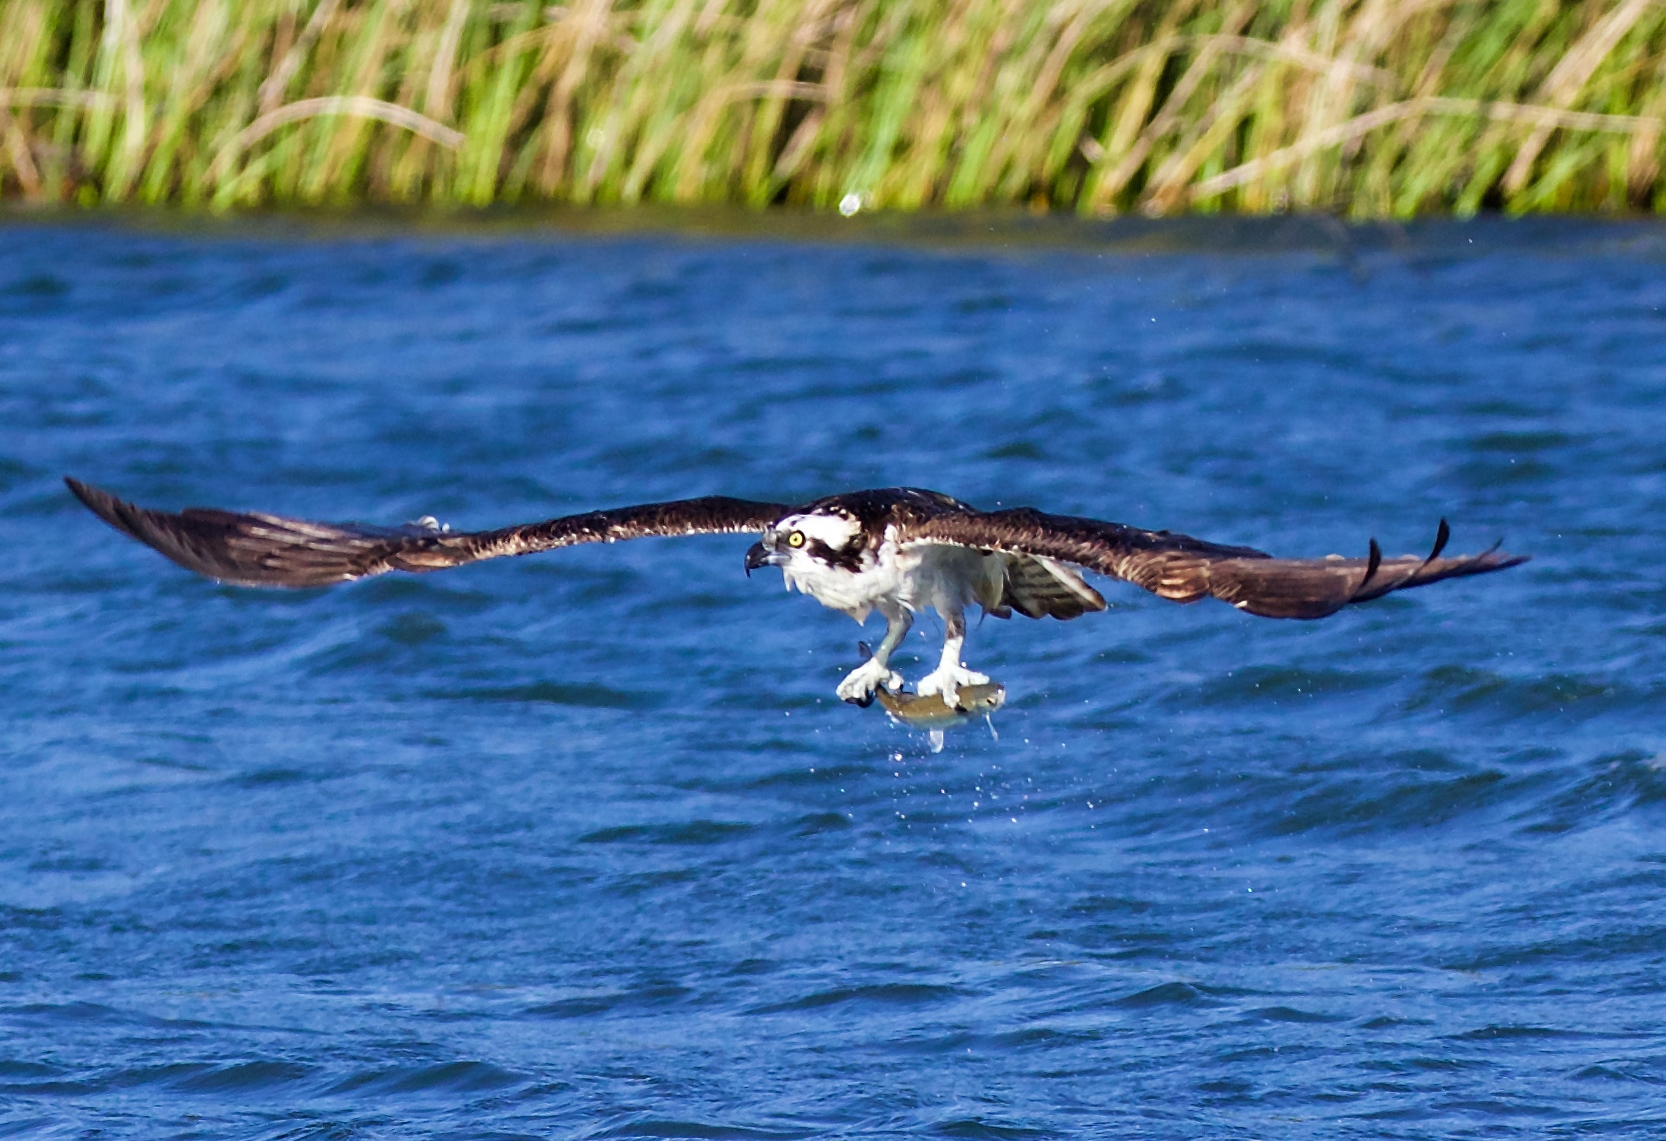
{"points": [[893, 550], [256, 549], [896, 550], [1184, 569], [253, 549]]}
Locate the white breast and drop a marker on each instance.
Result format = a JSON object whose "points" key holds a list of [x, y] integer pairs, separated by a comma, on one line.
{"points": [[947, 578], [854, 592], [916, 576]]}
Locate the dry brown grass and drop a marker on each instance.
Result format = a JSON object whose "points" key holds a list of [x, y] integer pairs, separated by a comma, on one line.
{"points": [[1371, 107]]}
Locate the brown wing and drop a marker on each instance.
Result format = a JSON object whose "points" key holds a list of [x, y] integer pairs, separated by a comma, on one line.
{"points": [[1185, 569], [1042, 588], [252, 549]]}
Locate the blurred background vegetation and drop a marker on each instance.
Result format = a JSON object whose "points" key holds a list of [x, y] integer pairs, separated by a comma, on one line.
{"points": [[1365, 107]]}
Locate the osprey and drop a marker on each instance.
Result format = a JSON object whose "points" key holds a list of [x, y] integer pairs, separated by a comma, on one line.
{"points": [[896, 550]]}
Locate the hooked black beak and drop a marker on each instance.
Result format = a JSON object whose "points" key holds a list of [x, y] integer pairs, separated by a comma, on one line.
{"points": [[757, 555]]}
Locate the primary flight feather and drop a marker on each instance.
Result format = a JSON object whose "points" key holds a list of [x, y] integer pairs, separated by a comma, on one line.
{"points": [[895, 550]]}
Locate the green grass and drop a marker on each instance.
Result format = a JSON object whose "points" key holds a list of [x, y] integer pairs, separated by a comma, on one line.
{"points": [[1367, 107]]}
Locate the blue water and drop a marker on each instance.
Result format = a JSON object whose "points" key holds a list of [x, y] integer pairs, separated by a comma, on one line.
{"points": [[582, 845]]}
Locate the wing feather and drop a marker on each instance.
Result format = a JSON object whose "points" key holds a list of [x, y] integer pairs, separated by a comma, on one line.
{"points": [[256, 549], [1042, 588], [1185, 569]]}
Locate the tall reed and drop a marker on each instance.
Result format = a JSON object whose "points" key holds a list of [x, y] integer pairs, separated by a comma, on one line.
{"points": [[1370, 107]]}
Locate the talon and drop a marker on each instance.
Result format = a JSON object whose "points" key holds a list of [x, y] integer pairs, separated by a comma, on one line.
{"points": [[859, 685], [860, 702], [947, 682]]}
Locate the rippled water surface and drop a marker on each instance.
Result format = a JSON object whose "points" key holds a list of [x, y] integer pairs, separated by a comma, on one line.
{"points": [[582, 845]]}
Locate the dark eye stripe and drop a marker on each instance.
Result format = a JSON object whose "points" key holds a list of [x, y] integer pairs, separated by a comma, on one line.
{"points": [[847, 560]]}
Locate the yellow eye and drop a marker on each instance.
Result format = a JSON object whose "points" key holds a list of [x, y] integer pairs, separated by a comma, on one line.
{"points": [[795, 538]]}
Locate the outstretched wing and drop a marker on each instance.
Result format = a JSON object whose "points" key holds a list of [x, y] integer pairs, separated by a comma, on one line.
{"points": [[253, 549], [1185, 569]]}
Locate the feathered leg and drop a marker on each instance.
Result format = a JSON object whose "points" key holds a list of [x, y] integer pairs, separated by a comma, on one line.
{"points": [[860, 683], [950, 675]]}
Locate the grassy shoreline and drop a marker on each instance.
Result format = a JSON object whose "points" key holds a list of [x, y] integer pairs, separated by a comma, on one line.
{"points": [[1371, 108]]}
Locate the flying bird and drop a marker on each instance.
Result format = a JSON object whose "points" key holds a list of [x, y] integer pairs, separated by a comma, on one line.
{"points": [[895, 550]]}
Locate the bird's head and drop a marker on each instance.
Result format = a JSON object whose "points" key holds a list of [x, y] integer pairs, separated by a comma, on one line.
{"points": [[808, 542]]}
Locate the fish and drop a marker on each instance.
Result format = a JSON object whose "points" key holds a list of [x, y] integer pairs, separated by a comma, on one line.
{"points": [[934, 712]]}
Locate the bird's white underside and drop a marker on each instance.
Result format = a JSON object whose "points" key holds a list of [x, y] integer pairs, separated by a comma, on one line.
{"points": [[898, 580]]}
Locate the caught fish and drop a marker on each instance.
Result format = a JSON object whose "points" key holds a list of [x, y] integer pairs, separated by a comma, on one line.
{"points": [[934, 712]]}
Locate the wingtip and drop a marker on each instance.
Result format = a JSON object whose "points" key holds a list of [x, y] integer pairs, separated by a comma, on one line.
{"points": [[1443, 535], [1374, 561], [96, 500]]}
